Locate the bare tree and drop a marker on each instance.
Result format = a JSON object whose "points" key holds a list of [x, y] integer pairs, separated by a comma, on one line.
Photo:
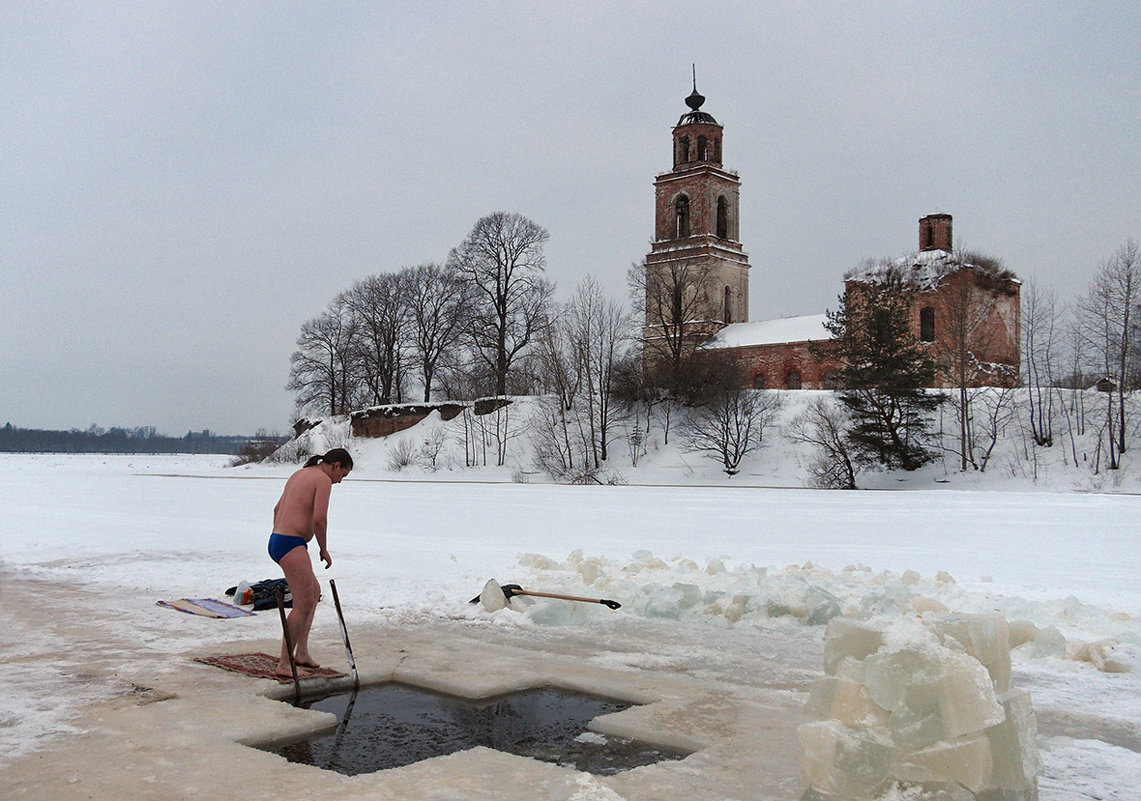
{"points": [[561, 380], [731, 424], [1108, 316], [637, 398], [964, 336], [599, 331], [437, 301], [324, 370], [997, 407], [1039, 354], [502, 258], [825, 425], [668, 298], [380, 307]]}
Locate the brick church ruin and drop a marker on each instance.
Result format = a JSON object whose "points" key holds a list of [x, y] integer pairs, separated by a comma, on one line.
{"points": [[697, 271]]}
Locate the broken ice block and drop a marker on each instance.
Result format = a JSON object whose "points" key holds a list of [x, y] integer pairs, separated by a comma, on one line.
{"points": [[986, 638], [690, 594], [966, 697], [924, 605], [844, 700], [1106, 656], [1049, 642], [736, 608], [1014, 744], [912, 730], [966, 761], [849, 763], [492, 596], [889, 674], [938, 791], [849, 638], [823, 612], [1021, 631]]}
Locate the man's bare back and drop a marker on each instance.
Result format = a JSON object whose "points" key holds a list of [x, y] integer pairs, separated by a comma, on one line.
{"points": [[304, 500]]}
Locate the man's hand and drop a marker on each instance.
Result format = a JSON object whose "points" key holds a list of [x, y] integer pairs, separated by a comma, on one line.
{"points": [[328, 560]]}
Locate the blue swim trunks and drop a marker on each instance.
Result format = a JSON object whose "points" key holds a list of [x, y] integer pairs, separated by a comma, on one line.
{"points": [[281, 544]]}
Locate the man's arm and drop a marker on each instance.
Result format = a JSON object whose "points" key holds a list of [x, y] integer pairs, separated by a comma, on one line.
{"points": [[320, 521]]}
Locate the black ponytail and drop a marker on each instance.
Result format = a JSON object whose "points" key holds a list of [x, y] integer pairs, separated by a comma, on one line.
{"points": [[336, 456]]}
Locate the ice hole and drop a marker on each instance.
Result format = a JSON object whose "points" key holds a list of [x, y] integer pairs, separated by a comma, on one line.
{"points": [[392, 725]]}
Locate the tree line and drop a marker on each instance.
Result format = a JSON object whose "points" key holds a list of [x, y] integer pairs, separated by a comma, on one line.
{"points": [[483, 323], [142, 439], [458, 328]]}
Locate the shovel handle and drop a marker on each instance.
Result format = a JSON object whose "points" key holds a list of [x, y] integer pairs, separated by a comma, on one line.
{"points": [[603, 601]]}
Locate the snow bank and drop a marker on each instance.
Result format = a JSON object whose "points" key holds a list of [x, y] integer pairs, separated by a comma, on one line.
{"points": [[502, 447]]}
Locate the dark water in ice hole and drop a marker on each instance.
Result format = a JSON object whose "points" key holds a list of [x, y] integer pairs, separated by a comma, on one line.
{"points": [[390, 725]]}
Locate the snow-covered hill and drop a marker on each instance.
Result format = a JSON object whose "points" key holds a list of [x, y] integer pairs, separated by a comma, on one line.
{"points": [[468, 447]]}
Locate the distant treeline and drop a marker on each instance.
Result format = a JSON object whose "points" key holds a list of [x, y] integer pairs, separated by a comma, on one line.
{"points": [[119, 440]]}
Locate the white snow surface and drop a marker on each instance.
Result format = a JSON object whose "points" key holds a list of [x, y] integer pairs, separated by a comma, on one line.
{"points": [[809, 328], [678, 541]]}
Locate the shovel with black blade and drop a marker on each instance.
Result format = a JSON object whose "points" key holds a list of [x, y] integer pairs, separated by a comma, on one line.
{"points": [[495, 596]]}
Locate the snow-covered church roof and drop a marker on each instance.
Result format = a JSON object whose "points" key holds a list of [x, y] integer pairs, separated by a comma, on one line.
{"points": [[771, 332]]}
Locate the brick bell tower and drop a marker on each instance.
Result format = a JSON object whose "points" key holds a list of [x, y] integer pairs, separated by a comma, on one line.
{"points": [[696, 227]]}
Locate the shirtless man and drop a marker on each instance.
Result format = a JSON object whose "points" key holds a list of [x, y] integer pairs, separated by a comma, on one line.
{"points": [[301, 515]]}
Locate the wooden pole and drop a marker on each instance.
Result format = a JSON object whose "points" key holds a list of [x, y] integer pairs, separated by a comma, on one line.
{"points": [[289, 647]]}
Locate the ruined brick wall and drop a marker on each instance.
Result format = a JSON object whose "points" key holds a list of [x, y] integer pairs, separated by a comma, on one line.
{"points": [[383, 421], [995, 340], [787, 365]]}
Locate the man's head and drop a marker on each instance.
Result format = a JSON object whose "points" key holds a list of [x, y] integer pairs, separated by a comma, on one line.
{"points": [[341, 462]]}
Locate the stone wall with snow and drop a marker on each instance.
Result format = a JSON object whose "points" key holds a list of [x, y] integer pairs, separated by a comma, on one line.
{"points": [[922, 707]]}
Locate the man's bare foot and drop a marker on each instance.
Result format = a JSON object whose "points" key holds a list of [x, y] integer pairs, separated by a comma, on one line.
{"points": [[308, 663]]}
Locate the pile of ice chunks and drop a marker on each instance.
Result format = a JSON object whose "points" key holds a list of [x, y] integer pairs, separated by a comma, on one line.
{"points": [[925, 706]]}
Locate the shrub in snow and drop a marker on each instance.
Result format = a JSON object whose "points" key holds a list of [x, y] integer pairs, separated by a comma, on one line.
{"points": [[922, 711]]}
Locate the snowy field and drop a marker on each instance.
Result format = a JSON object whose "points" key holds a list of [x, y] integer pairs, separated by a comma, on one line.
{"points": [[125, 531]]}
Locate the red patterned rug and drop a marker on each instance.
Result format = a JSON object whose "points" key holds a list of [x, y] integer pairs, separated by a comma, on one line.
{"points": [[263, 665]]}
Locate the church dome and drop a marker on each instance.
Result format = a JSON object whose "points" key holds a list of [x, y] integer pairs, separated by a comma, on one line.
{"points": [[695, 115]]}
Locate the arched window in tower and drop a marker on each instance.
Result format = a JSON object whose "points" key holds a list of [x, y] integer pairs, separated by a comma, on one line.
{"points": [[722, 217], [926, 235], [681, 212], [702, 149], [793, 380], [927, 324], [727, 315], [682, 150], [717, 149]]}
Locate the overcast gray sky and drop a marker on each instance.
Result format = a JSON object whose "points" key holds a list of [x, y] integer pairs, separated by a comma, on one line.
{"points": [[183, 184]]}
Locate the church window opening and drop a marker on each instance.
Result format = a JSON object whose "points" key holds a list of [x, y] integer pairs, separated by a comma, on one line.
{"points": [[759, 381], [681, 212], [927, 324], [702, 149], [793, 380], [683, 150], [722, 218], [831, 380], [926, 235], [728, 315], [717, 150]]}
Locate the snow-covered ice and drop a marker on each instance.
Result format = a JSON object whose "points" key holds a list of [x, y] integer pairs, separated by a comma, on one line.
{"points": [[124, 531]]}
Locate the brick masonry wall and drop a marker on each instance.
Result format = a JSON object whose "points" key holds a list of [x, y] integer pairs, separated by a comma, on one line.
{"points": [[777, 366]]}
